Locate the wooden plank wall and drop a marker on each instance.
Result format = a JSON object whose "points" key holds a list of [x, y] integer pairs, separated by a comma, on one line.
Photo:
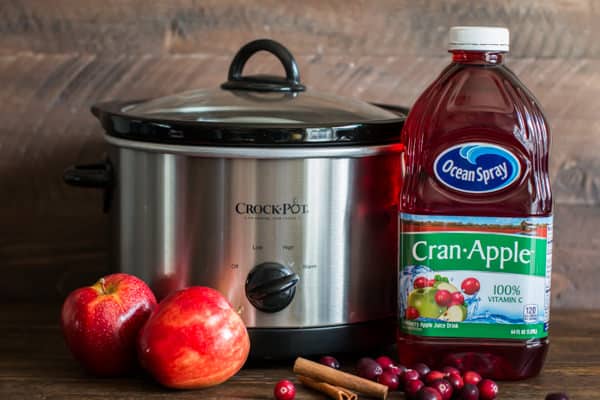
{"points": [[59, 57]]}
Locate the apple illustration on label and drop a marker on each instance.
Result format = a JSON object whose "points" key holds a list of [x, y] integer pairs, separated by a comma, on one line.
{"points": [[100, 323], [423, 300]]}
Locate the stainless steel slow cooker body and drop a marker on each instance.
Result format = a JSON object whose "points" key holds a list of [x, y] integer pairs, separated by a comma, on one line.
{"points": [[294, 222]]}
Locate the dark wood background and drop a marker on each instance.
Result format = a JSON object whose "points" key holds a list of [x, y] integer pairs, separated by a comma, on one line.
{"points": [[59, 57]]}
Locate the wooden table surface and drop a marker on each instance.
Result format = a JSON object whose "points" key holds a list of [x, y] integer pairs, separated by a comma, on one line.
{"points": [[35, 364]]}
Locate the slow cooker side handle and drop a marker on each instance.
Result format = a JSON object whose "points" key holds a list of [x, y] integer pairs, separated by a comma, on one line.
{"points": [[97, 176]]}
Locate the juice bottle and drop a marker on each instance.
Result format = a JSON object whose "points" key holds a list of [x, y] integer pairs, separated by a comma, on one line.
{"points": [[476, 217]]}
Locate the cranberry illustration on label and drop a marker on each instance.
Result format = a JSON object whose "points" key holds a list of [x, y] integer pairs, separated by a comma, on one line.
{"points": [[443, 298], [420, 282], [470, 286], [457, 298], [412, 313]]}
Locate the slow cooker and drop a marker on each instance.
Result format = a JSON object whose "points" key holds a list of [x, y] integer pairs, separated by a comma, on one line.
{"points": [[282, 198]]}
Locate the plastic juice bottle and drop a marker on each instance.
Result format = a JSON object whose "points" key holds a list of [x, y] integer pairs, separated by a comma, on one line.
{"points": [[476, 219]]}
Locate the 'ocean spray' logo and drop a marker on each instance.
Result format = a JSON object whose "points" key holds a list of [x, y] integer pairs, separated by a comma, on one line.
{"points": [[477, 167]]}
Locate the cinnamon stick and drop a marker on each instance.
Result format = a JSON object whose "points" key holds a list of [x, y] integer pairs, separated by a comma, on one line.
{"points": [[335, 392], [323, 373]]}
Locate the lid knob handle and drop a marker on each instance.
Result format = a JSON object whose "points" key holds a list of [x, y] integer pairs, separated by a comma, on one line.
{"points": [[264, 83]]}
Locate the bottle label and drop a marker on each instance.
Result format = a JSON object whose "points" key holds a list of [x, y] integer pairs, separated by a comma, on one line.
{"points": [[475, 277], [477, 167]]}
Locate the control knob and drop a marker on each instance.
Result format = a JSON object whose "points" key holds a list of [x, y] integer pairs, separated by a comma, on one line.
{"points": [[270, 287]]}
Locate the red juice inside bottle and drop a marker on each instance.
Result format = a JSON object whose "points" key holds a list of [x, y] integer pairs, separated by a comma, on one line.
{"points": [[476, 217]]}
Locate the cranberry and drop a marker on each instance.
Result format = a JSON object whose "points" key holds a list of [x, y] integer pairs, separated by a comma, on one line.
{"points": [[488, 389], [420, 282], [471, 377], [470, 286], [427, 393], [284, 390], [430, 282], [456, 381], [412, 313], [389, 379], [450, 370], [443, 387], [368, 368], [412, 387], [469, 392], [457, 299], [384, 361], [557, 396], [422, 369], [330, 362], [396, 369], [434, 376], [409, 375]]}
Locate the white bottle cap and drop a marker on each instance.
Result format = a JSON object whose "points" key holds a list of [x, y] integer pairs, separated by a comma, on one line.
{"points": [[478, 38]]}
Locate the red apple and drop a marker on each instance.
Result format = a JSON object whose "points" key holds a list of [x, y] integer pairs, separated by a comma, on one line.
{"points": [[194, 339], [101, 322]]}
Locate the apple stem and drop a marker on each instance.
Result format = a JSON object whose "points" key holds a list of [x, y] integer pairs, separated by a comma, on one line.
{"points": [[240, 310], [102, 282]]}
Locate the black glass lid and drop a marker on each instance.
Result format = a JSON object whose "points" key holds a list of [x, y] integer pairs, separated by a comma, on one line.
{"points": [[253, 110]]}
